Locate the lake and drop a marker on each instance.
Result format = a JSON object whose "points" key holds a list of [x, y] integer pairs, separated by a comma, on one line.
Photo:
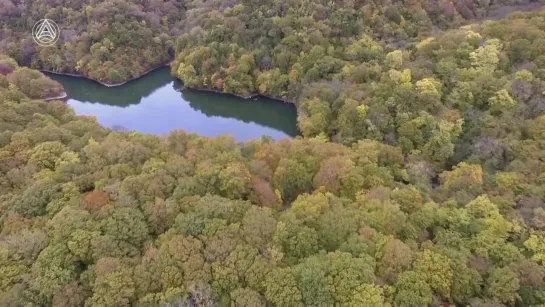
{"points": [[157, 104]]}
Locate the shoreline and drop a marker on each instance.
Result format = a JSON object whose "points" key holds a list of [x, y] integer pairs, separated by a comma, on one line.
{"points": [[61, 96], [104, 83], [493, 14], [200, 89], [250, 96]]}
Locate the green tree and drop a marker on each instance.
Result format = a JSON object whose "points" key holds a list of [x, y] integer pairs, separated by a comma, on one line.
{"points": [[502, 284], [536, 243], [486, 57], [113, 284], [258, 226], [394, 59], [412, 290], [501, 102], [45, 154], [436, 270], [243, 297], [368, 295], [312, 283], [281, 288]]}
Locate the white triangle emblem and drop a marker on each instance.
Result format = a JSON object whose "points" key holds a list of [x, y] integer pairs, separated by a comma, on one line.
{"points": [[45, 32]]}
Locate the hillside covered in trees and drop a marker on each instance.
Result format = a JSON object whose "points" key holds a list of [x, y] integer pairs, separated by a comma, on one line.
{"points": [[116, 40], [100, 218], [109, 41], [419, 180], [351, 83]]}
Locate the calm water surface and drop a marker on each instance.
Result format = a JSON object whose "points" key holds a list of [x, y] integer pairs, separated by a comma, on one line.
{"points": [[157, 104]]}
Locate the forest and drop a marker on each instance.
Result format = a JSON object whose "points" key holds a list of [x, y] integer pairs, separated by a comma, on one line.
{"points": [[419, 178], [116, 40], [108, 41]]}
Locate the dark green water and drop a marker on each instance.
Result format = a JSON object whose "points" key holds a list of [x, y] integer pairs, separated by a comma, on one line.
{"points": [[156, 103]]}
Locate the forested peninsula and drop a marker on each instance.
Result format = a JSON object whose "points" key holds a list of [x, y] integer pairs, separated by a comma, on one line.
{"points": [[419, 179]]}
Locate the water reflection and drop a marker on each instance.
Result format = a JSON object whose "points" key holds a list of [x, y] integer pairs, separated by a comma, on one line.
{"points": [[82, 89], [157, 104]]}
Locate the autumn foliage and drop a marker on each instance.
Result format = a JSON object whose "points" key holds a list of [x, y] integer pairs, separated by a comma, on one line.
{"points": [[419, 179], [95, 200]]}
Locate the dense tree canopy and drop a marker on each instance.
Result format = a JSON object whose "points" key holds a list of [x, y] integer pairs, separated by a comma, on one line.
{"points": [[102, 218], [355, 74], [32, 83], [110, 41], [418, 180], [237, 46]]}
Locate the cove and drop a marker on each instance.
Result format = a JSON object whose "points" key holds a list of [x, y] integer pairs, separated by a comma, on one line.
{"points": [[157, 103]]}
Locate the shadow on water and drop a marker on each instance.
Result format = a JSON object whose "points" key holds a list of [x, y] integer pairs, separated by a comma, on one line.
{"points": [[160, 97], [132, 92], [260, 110]]}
